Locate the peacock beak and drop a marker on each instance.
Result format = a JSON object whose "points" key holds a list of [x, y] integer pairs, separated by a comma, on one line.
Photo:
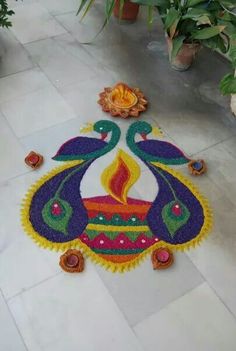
{"points": [[87, 128], [144, 136], [156, 131], [103, 136]]}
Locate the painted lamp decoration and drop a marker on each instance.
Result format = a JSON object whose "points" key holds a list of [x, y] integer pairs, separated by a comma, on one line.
{"points": [[123, 101], [197, 167], [34, 160], [116, 230]]}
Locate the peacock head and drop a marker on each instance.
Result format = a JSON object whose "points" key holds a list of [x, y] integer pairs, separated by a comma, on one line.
{"points": [[103, 127], [143, 129]]}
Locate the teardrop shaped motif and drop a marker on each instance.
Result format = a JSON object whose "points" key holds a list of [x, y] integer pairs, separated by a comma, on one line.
{"points": [[56, 214], [175, 214]]}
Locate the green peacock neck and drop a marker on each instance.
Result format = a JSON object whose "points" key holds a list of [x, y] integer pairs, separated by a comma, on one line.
{"points": [[130, 140], [115, 137]]}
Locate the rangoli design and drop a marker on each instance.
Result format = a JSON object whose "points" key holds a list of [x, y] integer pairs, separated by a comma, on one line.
{"points": [[116, 230]]}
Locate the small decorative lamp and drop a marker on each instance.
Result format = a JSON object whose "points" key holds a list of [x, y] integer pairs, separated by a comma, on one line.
{"points": [[197, 167], [162, 258], [34, 160], [122, 101], [72, 261]]}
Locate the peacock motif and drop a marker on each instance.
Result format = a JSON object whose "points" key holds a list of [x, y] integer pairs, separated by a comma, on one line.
{"points": [[56, 211], [114, 229], [176, 215]]}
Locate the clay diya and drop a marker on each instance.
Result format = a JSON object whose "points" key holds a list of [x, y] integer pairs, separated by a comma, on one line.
{"points": [[197, 167], [162, 258], [72, 261], [122, 101], [34, 160]]}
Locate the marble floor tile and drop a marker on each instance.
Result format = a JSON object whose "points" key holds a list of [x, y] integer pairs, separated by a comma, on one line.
{"points": [[215, 258], [40, 24], [194, 131], [12, 153], [37, 110], [10, 338], [196, 321], [79, 313], [14, 58], [56, 7], [143, 291], [22, 263], [63, 60], [86, 30], [22, 83]]}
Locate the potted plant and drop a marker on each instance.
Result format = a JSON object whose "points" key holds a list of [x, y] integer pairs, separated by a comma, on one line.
{"points": [[228, 83], [189, 24], [122, 9], [5, 13]]}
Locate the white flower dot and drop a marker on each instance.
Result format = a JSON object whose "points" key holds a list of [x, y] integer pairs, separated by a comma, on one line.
{"points": [[122, 241], [143, 241], [101, 241], [133, 219], [156, 239], [101, 218], [55, 205]]}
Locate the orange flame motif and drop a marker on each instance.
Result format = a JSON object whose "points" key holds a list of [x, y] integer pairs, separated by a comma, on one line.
{"points": [[122, 96], [120, 175]]}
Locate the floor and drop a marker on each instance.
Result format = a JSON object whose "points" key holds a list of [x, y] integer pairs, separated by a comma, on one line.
{"points": [[48, 89]]}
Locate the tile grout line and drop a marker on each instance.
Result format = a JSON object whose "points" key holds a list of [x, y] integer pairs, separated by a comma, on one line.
{"points": [[169, 303], [214, 290], [14, 322], [22, 292]]}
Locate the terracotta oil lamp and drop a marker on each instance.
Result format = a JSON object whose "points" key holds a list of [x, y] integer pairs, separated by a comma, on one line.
{"points": [[72, 261], [197, 167], [122, 101], [162, 258], [34, 160]]}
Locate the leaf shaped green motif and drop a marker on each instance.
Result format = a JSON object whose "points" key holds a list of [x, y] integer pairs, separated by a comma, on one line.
{"points": [[172, 221], [57, 220]]}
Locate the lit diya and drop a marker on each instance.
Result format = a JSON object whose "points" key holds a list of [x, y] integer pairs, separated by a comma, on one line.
{"points": [[34, 160], [123, 101], [197, 167], [117, 231], [162, 258], [72, 261]]}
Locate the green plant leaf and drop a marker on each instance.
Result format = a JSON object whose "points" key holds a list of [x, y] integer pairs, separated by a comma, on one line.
{"points": [[196, 13], [161, 3], [121, 6], [217, 42], [207, 33], [228, 85], [232, 54], [203, 20], [176, 45], [87, 8], [191, 3], [82, 4], [150, 16], [171, 17]]}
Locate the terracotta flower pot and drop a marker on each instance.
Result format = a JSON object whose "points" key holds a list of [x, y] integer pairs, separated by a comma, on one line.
{"points": [[129, 13], [185, 56]]}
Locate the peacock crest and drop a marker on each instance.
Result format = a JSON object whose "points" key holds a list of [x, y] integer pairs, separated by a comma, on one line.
{"points": [[115, 229]]}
